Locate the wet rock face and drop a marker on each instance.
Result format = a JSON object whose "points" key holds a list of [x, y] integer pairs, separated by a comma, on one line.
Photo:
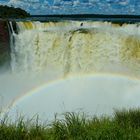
{"points": [[4, 42], [4, 36]]}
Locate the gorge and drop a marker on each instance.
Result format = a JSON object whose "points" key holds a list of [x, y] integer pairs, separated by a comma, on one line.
{"points": [[44, 52]]}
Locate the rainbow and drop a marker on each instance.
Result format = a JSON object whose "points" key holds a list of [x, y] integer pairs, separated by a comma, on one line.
{"points": [[55, 82]]}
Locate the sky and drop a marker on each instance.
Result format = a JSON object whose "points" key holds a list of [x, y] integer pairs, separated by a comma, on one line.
{"points": [[44, 7]]}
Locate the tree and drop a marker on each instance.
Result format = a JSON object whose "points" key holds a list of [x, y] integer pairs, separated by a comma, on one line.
{"points": [[11, 12]]}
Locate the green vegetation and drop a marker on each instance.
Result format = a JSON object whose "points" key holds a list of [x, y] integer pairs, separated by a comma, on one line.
{"points": [[11, 12], [124, 125]]}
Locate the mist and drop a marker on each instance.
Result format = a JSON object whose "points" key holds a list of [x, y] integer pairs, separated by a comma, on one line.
{"points": [[13, 85], [92, 94], [92, 67]]}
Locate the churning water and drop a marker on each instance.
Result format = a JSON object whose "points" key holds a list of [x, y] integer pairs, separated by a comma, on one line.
{"points": [[42, 52]]}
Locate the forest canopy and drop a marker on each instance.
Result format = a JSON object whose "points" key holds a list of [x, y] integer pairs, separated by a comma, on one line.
{"points": [[11, 12]]}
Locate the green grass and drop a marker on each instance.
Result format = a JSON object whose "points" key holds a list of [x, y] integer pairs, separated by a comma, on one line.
{"points": [[123, 125]]}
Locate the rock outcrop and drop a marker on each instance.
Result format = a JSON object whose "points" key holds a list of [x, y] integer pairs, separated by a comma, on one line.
{"points": [[4, 42]]}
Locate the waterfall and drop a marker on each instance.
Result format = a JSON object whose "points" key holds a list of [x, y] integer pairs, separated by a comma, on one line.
{"points": [[12, 44], [75, 47]]}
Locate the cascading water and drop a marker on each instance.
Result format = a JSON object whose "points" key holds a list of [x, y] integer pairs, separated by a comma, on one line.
{"points": [[76, 47], [46, 51]]}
